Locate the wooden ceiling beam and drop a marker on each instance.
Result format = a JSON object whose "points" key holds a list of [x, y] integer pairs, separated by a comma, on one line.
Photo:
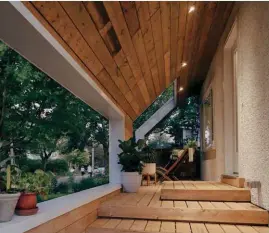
{"points": [[144, 64], [209, 12], [153, 7], [188, 41], [123, 64], [166, 21], [134, 50], [144, 19], [98, 13], [118, 21], [174, 36], [60, 21], [83, 22], [192, 36], [156, 25], [130, 14], [216, 29], [51, 30], [129, 9], [181, 35]]}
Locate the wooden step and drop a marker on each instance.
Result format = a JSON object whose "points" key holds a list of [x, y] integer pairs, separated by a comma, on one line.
{"points": [[111, 225], [194, 214], [203, 191], [235, 181], [104, 230]]}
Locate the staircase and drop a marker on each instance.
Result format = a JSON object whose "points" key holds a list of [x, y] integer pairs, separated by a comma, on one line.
{"points": [[160, 114], [153, 210]]}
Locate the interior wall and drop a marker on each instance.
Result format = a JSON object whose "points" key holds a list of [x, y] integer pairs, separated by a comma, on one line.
{"points": [[252, 99]]}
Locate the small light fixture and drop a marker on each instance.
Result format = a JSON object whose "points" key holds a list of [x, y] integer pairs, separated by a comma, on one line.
{"points": [[184, 64], [191, 9], [181, 89]]}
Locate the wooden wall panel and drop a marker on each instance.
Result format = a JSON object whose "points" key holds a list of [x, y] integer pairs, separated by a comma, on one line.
{"points": [[76, 220]]}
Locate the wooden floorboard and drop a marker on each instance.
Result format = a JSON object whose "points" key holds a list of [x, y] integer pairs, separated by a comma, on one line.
{"points": [[147, 210], [132, 225]]}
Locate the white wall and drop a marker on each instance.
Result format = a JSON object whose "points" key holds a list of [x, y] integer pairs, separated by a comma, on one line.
{"points": [[253, 100], [253, 97]]}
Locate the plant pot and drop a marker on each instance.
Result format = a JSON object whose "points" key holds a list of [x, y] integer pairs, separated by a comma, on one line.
{"points": [[27, 204], [131, 181], [149, 168], [8, 203], [191, 152]]}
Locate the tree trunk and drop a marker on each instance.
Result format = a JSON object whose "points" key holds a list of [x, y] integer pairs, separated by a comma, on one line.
{"points": [[44, 164]]}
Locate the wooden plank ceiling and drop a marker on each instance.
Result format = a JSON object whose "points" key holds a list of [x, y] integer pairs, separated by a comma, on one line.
{"points": [[134, 50]]}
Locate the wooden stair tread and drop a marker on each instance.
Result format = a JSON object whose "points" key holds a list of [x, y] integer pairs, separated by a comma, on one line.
{"points": [[194, 214], [203, 191], [147, 205], [170, 226], [104, 230]]}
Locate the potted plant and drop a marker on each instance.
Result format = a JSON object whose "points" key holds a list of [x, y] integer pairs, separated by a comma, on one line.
{"points": [[148, 157], [131, 163], [8, 196], [32, 184], [191, 145]]}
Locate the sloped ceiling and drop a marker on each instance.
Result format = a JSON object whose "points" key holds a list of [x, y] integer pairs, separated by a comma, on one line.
{"points": [[134, 50]]}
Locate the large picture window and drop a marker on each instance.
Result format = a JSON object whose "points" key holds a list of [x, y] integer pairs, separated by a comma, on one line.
{"points": [[208, 133]]}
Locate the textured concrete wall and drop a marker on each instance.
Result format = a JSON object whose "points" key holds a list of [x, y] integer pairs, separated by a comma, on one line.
{"points": [[253, 97]]}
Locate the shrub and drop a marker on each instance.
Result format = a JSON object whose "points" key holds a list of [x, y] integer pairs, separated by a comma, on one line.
{"points": [[57, 166], [29, 165], [62, 188], [90, 182]]}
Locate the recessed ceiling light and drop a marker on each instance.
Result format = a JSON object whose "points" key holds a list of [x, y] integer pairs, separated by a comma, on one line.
{"points": [[191, 9], [181, 89], [184, 64]]}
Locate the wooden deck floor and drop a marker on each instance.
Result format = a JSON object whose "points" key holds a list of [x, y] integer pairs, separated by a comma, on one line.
{"points": [[147, 205], [132, 225]]}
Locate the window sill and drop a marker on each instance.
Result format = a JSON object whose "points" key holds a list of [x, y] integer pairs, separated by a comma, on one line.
{"points": [[52, 209]]}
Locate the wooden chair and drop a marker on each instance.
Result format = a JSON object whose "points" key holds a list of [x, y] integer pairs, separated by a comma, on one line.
{"points": [[165, 172]]}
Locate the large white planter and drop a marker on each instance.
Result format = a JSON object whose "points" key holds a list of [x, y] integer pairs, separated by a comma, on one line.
{"points": [[149, 168], [191, 153], [8, 203], [131, 181]]}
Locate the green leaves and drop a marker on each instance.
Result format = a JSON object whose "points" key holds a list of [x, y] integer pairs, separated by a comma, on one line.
{"points": [[36, 113], [78, 158], [38, 182], [130, 157]]}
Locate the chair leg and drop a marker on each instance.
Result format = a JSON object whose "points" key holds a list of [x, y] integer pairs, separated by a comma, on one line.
{"points": [[148, 179], [155, 178]]}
